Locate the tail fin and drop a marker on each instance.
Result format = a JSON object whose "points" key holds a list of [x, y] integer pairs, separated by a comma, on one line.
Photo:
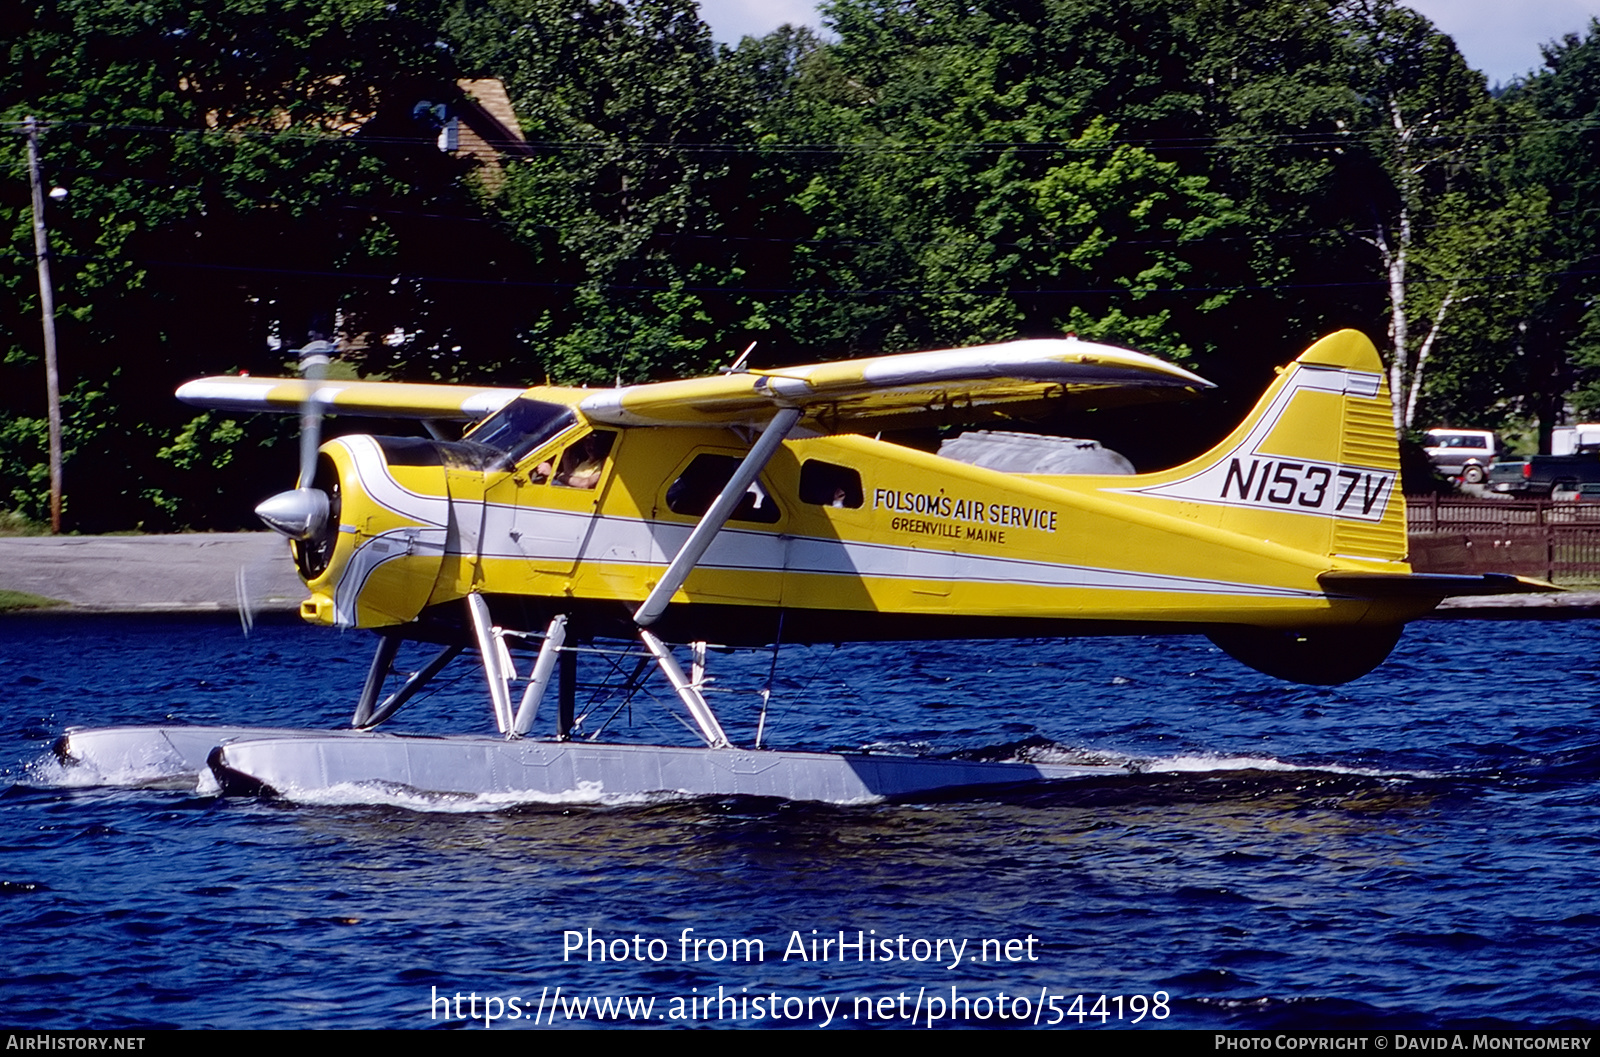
{"points": [[1314, 465]]}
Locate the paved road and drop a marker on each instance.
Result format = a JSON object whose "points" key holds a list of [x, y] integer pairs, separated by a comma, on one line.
{"points": [[154, 574], [197, 573]]}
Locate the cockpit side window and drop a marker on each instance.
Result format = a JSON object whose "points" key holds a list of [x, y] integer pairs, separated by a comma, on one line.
{"points": [[582, 462], [702, 481], [521, 426]]}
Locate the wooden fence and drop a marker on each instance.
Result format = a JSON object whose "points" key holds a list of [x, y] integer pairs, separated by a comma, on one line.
{"points": [[1527, 537]]}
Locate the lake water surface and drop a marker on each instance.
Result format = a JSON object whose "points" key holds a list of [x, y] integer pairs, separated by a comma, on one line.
{"points": [[1417, 849]]}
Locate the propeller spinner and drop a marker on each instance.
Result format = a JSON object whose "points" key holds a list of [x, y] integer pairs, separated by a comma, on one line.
{"points": [[301, 513]]}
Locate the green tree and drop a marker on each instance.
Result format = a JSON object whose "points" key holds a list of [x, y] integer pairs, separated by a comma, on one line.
{"points": [[1424, 118], [1222, 181], [1559, 335], [238, 173], [954, 157], [629, 200], [1477, 277]]}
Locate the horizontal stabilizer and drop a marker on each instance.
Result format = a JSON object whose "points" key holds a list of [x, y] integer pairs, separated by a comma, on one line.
{"points": [[1429, 585]]}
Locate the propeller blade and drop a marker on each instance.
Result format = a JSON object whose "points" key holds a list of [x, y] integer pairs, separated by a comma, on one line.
{"points": [[241, 588], [313, 368], [265, 586]]}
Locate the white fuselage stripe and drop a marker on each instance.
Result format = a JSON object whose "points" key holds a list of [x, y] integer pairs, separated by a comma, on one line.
{"points": [[634, 541], [530, 532]]}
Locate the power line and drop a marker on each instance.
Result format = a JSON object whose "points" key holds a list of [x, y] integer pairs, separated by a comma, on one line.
{"points": [[845, 291], [1220, 140]]}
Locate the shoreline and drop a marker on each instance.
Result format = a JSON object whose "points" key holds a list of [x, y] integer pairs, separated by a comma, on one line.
{"points": [[203, 575]]}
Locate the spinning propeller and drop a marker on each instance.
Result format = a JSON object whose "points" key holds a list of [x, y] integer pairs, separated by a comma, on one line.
{"points": [[302, 513]]}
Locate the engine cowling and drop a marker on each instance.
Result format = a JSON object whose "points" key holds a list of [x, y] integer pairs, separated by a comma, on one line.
{"points": [[371, 533]]}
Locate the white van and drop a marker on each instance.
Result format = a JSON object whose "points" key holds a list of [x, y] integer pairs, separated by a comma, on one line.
{"points": [[1463, 453], [1575, 440]]}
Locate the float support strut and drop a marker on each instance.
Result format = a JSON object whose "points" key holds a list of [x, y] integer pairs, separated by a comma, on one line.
{"points": [[567, 696], [415, 682], [688, 693], [382, 658], [496, 660], [528, 711]]}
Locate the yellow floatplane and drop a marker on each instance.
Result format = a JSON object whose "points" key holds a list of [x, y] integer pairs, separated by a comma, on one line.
{"points": [[754, 507]]}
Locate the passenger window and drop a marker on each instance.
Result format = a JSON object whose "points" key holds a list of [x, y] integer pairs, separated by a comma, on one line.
{"points": [[582, 462], [827, 484], [702, 481]]}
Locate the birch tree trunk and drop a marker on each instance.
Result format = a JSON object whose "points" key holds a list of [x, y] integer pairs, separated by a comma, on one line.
{"points": [[1394, 261], [1422, 358]]}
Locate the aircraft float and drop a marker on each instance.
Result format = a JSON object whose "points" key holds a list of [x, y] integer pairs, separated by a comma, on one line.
{"points": [[756, 507]]}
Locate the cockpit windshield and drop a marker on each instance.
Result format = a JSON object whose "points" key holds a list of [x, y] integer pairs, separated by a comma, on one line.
{"points": [[521, 426]]}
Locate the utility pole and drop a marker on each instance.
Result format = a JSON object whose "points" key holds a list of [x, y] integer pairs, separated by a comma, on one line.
{"points": [[47, 309]]}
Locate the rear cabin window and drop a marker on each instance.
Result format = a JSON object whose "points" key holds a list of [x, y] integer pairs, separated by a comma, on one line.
{"points": [[828, 484], [702, 481]]}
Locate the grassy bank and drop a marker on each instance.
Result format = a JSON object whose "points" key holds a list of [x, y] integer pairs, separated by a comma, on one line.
{"points": [[16, 601]]}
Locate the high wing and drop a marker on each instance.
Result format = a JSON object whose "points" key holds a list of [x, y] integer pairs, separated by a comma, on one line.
{"points": [[459, 403], [1011, 379]]}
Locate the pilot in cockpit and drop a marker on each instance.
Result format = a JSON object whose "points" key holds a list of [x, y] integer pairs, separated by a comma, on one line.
{"points": [[582, 462]]}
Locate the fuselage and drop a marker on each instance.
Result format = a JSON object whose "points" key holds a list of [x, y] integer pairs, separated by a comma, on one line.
{"points": [[845, 536]]}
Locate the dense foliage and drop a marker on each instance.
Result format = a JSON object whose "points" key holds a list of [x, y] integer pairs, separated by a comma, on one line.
{"points": [[1217, 181]]}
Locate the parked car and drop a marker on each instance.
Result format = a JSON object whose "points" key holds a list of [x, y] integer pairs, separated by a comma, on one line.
{"points": [[1575, 502], [1572, 492], [1463, 453]]}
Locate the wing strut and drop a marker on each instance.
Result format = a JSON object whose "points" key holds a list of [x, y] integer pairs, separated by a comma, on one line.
{"points": [[694, 548]]}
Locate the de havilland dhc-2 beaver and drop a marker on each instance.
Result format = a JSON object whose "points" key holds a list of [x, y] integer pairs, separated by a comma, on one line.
{"points": [[761, 506]]}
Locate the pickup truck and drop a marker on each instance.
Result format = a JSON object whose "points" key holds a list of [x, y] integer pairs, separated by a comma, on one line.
{"points": [[1535, 476]]}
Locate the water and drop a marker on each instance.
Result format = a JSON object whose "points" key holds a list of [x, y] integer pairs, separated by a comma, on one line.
{"points": [[1413, 850]]}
